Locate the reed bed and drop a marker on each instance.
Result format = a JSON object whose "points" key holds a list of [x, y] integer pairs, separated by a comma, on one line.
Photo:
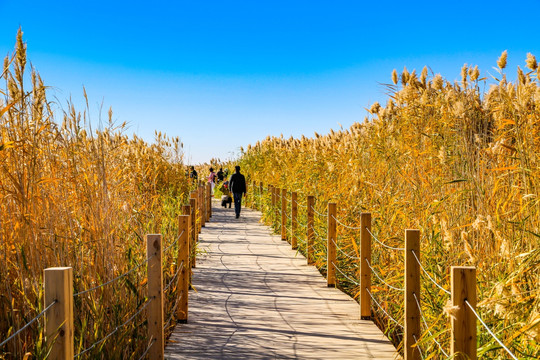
{"points": [[71, 195], [457, 162]]}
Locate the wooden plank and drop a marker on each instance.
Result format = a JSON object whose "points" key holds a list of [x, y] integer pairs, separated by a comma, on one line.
{"points": [[365, 271], [412, 289], [155, 294], [59, 318], [331, 259], [463, 343]]}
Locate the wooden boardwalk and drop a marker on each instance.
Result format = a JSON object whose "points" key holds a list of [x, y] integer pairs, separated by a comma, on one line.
{"points": [[256, 298]]}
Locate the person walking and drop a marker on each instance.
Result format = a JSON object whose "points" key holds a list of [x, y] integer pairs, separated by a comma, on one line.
{"points": [[212, 179], [220, 175], [237, 185]]}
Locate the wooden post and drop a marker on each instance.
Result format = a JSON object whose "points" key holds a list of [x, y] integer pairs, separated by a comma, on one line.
{"points": [[310, 233], [283, 214], [59, 318], [412, 289], [253, 202], [463, 340], [184, 278], [203, 204], [155, 295], [365, 272], [331, 259], [261, 195], [208, 201], [294, 214], [194, 232]]}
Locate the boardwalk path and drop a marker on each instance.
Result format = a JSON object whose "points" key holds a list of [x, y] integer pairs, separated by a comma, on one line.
{"points": [[257, 299]]}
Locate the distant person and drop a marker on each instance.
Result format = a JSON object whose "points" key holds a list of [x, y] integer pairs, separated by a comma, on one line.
{"points": [[193, 174], [226, 197], [212, 179], [220, 175], [237, 185]]}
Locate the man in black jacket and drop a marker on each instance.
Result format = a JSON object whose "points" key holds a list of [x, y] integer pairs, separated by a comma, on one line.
{"points": [[237, 184]]}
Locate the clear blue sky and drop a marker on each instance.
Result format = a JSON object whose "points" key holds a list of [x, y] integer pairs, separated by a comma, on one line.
{"points": [[223, 74]]}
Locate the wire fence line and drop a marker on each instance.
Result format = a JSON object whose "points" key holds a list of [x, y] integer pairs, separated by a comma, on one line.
{"points": [[116, 278], [381, 279], [115, 329], [28, 323], [345, 275], [348, 256], [345, 225], [418, 347], [383, 244], [174, 277], [427, 274], [427, 327], [382, 309], [150, 343], [174, 242], [318, 213], [489, 330]]}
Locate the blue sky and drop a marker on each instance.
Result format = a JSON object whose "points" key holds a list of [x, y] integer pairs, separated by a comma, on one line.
{"points": [[224, 74]]}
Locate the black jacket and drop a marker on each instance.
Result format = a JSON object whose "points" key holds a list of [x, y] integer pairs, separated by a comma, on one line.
{"points": [[237, 184]]}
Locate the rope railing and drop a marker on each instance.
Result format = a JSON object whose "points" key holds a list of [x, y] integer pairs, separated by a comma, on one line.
{"points": [[166, 288], [382, 309], [317, 234], [150, 344], [115, 329], [173, 311], [418, 347], [166, 250], [381, 279], [115, 279], [427, 274], [28, 323], [345, 225], [345, 275], [489, 330], [383, 244], [426, 325], [318, 213], [301, 205], [348, 256]]}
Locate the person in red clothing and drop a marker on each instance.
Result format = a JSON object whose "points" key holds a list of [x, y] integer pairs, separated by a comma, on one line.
{"points": [[237, 185]]}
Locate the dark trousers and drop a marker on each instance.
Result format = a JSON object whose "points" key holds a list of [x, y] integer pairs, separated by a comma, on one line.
{"points": [[237, 203]]}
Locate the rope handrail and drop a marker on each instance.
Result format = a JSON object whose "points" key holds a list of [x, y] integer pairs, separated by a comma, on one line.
{"points": [[115, 329], [427, 274], [316, 233], [151, 343], [174, 242], [383, 244], [174, 277], [301, 205], [344, 253], [427, 327], [318, 213], [28, 323], [381, 279], [346, 226], [384, 311], [418, 346], [115, 279], [173, 310], [489, 330], [345, 275]]}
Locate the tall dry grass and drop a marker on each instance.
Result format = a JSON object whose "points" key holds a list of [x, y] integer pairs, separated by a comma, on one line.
{"points": [[460, 164], [71, 195]]}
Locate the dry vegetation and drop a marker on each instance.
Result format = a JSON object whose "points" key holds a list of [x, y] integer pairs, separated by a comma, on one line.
{"points": [[460, 164], [74, 196]]}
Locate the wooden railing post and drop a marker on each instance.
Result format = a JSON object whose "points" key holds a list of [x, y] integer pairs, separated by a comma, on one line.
{"points": [[261, 194], [310, 233], [463, 342], [283, 214], [331, 259], [59, 319], [252, 195], [208, 201], [365, 272], [155, 295], [184, 278], [294, 214], [412, 293], [194, 231]]}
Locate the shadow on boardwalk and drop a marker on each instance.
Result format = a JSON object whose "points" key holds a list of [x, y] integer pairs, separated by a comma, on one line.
{"points": [[256, 298]]}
